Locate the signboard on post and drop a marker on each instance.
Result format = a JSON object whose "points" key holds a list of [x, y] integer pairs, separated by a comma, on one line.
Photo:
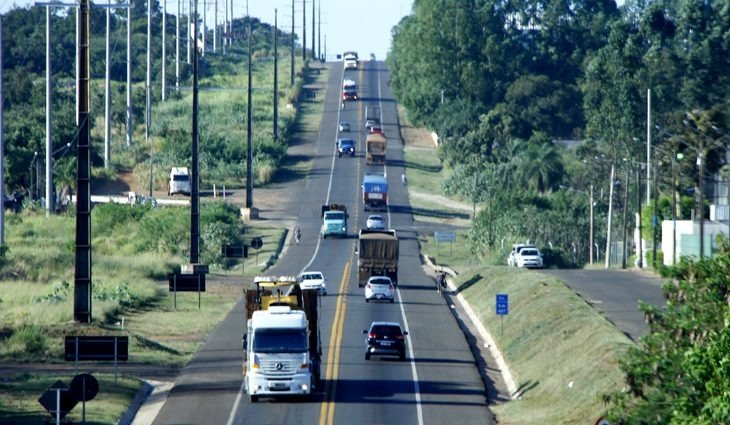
{"points": [[187, 282], [58, 400], [502, 304], [234, 251], [77, 348], [444, 237], [502, 309]]}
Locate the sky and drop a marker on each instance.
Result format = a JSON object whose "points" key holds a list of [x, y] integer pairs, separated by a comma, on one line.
{"points": [[360, 25]]}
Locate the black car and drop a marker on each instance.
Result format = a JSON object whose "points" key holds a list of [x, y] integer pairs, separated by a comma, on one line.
{"points": [[385, 338], [345, 147]]}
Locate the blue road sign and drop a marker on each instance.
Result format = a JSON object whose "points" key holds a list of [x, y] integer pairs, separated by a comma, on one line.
{"points": [[502, 304]]}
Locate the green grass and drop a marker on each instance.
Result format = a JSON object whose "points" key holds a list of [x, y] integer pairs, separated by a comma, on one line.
{"points": [[550, 338], [19, 399], [424, 170]]}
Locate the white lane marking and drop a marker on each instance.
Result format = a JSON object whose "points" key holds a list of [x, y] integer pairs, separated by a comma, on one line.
{"points": [[414, 372], [232, 415]]}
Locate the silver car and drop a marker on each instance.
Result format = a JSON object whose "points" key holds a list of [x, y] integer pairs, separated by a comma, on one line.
{"points": [[375, 221], [379, 288], [344, 126]]}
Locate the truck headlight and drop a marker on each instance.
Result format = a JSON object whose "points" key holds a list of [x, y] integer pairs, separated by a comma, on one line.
{"points": [[304, 366]]}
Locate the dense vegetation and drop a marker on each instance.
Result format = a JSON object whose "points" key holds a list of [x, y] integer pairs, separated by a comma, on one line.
{"points": [[502, 83], [222, 127]]}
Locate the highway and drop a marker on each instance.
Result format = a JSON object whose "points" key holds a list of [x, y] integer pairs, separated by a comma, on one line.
{"points": [[439, 381]]}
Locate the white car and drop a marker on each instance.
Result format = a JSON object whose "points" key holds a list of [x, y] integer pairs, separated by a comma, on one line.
{"points": [[344, 126], [313, 280], [529, 258], [379, 288], [375, 222], [516, 248]]}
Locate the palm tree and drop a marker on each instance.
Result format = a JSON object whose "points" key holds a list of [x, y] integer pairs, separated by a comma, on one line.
{"points": [[541, 167]]}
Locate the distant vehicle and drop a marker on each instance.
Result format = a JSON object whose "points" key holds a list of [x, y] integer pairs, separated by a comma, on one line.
{"points": [[350, 60], [372, 56], [376, 128], [313, 280], [370, 124], [377, 255], [374, 188], [334, 220], [372, 113], [344, 126], [179, 181], [376, 145], [379, 288], [349, 90], [385, 338], [345, 147], [375, 221], [516, 248], [529, 258]]}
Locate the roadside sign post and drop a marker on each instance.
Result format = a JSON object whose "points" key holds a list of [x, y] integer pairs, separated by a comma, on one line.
{"points": [[502, 309], [257, 243], [444, 237], [187, 282], [107, 347]]}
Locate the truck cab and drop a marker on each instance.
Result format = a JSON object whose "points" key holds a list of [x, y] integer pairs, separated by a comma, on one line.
{"points": [[282, 348], [334, 220]]}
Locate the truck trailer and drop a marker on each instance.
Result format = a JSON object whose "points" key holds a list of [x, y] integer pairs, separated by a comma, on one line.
{"points": [[282, 348], [377, 255], [375, 145], [374, 192]]}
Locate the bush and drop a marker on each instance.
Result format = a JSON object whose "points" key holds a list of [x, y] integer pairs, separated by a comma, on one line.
{"points": [[107, 217], [33, 338]]}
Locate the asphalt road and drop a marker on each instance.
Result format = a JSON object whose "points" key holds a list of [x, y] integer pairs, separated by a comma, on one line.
{"points": [[616, 294], [437, 384]]}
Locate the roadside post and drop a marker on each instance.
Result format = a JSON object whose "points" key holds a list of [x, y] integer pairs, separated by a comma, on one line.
{"points": [[58, 401], [236, 251], [257, 243], [84, 387], [502, 309]]}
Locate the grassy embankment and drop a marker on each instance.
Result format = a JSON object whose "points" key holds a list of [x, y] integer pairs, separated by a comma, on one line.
{"points": [[131, 264], [562, 353]]}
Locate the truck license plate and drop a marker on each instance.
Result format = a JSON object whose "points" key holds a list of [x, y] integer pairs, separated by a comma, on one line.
{"points": [[375, 195]]}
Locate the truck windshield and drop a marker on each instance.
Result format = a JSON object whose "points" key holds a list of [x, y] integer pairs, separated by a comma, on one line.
{"points": [[181, 178], [280, 341], [338, 215]]}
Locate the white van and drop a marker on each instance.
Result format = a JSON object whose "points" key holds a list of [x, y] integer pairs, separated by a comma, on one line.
{"points": [[179, 181]]}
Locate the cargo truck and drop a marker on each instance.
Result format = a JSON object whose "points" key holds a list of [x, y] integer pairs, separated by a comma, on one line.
{"points": [[374, 192], [377, 255], [334, 220], [375, 145], [372, 113], [282, 348], [350, 60]]}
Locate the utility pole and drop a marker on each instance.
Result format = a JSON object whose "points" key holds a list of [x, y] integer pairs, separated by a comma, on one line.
{"points": [[325, 48], [82, 271], [640, 248], [107, 91], [189, 28], [590, 236], [177, 48], [149, 77], [610, 212], [291, 71], [215, 26], [225, 25], [2, 144], [625, 223], [49, 149], [648, 146], [205, 28], [276, 76], [304, 30], [164, 50], [194, 180], [129, 75], [249, 135], [319, 30], [314, 28]]}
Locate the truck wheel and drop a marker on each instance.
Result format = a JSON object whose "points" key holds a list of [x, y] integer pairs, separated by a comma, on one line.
{"points": [[367, 356], [254, 398], [402, 356]]}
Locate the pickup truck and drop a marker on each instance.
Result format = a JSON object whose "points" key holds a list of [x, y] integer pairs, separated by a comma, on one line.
{"points": [[345, 147], [334, 220]]}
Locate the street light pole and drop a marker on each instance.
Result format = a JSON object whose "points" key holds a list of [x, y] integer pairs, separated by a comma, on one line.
{"points": [[591, 228], [610, 212]]}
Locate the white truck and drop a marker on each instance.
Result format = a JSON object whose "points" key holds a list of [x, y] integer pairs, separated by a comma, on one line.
{"points": [[350, 59], [179, 181], [282, 348]]}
